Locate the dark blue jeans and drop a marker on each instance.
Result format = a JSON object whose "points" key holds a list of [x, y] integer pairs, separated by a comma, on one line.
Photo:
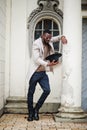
{"points": [[42, 79]]}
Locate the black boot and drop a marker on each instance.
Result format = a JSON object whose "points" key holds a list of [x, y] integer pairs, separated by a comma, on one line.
{"points": [[36, 114], [30, 117]]}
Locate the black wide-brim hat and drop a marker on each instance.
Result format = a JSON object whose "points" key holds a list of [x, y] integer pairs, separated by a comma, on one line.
{"points": [[54, 57]]}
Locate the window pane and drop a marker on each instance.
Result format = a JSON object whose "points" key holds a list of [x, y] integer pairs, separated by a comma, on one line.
{"points": [[55, 33], [47, 24], [56, 46], [55, 26], [39, 25], [37, 34]]}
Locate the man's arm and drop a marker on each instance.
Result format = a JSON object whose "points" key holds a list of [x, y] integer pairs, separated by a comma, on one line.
{"points": [[58, 38], [53, 63]]}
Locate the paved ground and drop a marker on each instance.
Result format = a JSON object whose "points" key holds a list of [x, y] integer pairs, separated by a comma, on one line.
{"points": [[46, 122]]}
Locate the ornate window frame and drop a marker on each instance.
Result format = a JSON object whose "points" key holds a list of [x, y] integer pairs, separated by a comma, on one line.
{"points": [[48, 9]]}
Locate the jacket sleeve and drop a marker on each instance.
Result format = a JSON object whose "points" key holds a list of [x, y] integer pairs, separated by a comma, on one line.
{"points": [[56, 38], [36, 55]]}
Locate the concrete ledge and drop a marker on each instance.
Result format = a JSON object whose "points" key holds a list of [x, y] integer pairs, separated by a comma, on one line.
{"points": [[61, 119], [22, 108]]}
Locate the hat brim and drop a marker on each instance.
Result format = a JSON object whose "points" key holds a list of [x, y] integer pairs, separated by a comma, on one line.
{"points": [[54, 57]]}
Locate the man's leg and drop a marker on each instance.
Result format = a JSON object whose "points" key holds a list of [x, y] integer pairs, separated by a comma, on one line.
{"points": [[32, 86], [44, 83]]}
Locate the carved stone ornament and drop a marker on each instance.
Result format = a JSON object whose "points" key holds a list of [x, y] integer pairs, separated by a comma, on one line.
{"points": [[45, 5]]}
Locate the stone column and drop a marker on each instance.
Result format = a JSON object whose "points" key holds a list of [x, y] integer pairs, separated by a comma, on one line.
{"points": [[72, 56]]}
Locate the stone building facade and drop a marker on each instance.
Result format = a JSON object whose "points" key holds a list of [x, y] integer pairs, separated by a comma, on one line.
{"points": [[21, 22]]}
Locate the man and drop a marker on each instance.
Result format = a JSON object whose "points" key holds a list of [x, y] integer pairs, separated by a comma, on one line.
{"points": [[42, 47]]}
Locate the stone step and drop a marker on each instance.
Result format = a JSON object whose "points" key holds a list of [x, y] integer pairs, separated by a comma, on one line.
{"points": [[16, 108], [19, 105], [16, 99], [16, 105]]}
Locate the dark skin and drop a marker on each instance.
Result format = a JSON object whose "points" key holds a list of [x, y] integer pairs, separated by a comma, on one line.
{"points": [[46, 37]]}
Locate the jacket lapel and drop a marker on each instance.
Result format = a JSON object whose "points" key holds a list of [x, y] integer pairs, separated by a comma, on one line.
{"points": [[41, 45]]}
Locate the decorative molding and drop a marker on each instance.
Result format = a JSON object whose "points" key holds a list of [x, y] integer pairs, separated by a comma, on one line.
{"points": [[48, 4], [45, 6], [34, 12]]}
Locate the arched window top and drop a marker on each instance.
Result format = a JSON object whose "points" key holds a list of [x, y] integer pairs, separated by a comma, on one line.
{"points": [[46, 24], [47, 8]]}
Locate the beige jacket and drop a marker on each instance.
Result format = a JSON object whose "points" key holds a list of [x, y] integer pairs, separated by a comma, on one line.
{"points": [[37, 58]]}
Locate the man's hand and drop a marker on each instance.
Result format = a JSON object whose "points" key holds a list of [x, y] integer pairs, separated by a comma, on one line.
{"points": [[63, 40], [53, 63]]}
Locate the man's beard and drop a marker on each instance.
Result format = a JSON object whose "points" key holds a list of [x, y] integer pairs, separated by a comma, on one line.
{"points": [[45, 43]]}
